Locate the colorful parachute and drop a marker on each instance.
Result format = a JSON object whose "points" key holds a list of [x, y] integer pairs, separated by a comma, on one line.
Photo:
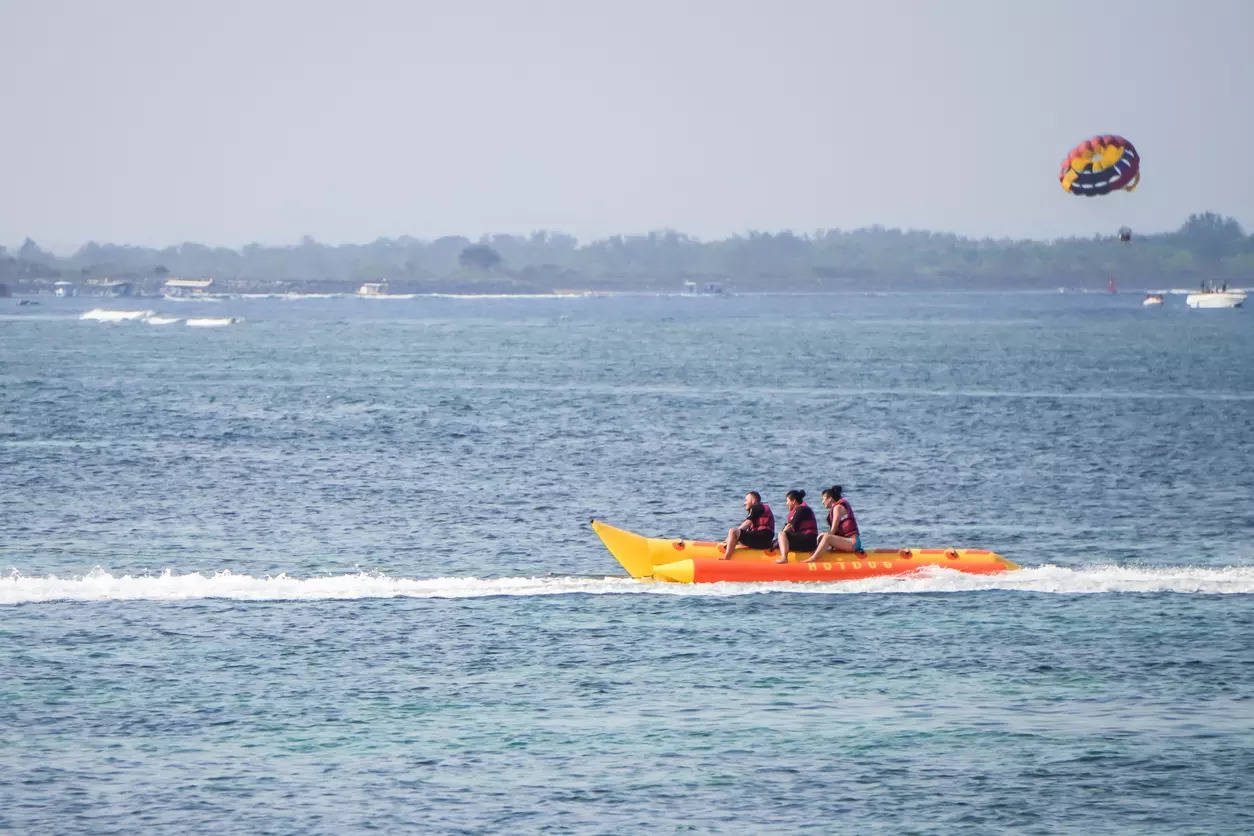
{"points": [[1100, 165]]}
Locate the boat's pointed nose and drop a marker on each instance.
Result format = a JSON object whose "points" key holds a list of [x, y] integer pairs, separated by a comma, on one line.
{"points": [[631, 550]]}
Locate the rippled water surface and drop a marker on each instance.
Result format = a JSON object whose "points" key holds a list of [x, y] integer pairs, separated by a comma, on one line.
{"points": [[324, 565]]}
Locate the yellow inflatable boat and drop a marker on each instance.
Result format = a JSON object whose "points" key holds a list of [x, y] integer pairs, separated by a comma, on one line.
{"points": [[699, 561]]}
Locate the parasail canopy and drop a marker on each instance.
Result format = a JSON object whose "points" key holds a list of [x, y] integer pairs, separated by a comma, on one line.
{"points": [[1101, 165]]}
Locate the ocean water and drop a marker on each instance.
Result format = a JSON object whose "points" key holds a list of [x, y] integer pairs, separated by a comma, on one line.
{"points": [[323, 565]]}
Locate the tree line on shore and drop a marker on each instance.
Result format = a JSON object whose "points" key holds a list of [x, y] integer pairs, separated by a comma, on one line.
{"points": [[1206, 247]]}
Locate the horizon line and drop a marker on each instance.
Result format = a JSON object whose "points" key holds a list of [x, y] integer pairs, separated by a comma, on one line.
{"points": [[58, 251]]}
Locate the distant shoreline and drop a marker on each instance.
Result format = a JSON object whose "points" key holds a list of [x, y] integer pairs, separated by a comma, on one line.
{"points": [[585, 294], [1206, 247]]}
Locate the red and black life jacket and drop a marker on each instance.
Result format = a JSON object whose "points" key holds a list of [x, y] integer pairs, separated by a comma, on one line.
{"points": [[802, 520], [761, 519], [848, 525]]}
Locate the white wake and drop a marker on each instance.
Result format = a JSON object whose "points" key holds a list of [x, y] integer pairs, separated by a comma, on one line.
{"points": [[154, 318], [107, 315], [100, 585]]}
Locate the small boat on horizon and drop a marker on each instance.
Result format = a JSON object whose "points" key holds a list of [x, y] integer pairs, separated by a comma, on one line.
{"points": [[704, 289], [1153, 299], [380, 290]]}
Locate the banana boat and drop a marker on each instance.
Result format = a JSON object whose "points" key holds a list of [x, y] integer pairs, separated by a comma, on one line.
{"points": [[699, 561]]}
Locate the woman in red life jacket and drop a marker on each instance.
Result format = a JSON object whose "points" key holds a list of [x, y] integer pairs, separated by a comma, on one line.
{"points": [[801, 533], [842, 535], [758, 529]]}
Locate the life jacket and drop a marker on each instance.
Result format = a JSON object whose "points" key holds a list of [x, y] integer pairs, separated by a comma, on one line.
{"points": [[762, 520], [802, 520], [848, 525]]}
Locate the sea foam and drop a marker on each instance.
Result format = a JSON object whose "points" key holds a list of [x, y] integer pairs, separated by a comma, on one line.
{"points": [[108, 315], [154, 318], [100, 585]]}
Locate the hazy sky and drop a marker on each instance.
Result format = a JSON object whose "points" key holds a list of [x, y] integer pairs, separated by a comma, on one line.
{"points": [[229, 122]]}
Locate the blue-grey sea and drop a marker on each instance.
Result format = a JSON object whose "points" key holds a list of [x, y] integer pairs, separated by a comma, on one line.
{"points": [[323, 565]]}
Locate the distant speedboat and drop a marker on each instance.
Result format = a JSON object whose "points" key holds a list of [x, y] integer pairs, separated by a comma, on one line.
{"points": [[703, 289], [1153, 299], [1212, 297], [373, 289]]}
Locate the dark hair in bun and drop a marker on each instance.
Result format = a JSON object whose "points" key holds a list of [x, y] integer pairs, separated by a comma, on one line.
{"points": [[797, 495]]}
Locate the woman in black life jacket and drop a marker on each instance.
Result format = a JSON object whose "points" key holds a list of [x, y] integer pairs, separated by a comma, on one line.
{"points": [[843, 534]]}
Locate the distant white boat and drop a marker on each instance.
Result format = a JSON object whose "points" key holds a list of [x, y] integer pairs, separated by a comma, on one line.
{"points": [[379, 290], [187, 288], [1153, 299], [703, 289], [1210, 297]]}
